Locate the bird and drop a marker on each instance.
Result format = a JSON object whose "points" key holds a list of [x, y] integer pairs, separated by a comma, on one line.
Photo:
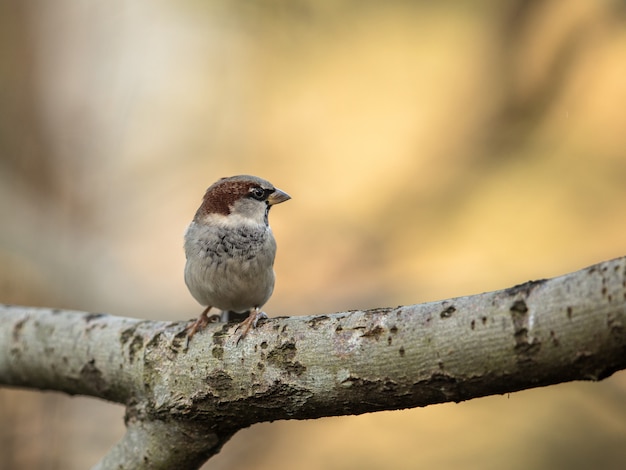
{"points": [[230, 250]]}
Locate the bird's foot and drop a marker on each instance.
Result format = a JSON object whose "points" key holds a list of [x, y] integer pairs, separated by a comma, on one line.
{"points": [[199, 324], [251, 322]]}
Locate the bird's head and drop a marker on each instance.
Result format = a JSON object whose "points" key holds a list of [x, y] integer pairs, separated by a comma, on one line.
{"points": [[243, 197]]}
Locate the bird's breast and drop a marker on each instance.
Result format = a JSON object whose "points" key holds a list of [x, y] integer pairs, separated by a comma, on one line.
{"points": [[230, 268]]}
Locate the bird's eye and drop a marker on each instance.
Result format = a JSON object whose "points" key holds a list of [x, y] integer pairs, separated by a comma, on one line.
{"points": [[258, 193]]}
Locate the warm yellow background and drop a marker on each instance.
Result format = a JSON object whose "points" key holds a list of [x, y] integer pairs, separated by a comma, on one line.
{"points": [[432, 149]]}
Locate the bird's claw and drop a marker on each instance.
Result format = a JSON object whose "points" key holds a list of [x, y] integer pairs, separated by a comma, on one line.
{"points": [[199, 324], [251, 322], [259, 316]]}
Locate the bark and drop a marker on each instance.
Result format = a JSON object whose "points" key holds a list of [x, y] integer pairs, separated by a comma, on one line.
{"points": [[183, 405]]}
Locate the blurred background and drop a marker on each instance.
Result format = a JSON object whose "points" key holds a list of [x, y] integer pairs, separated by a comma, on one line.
{"points": [[432, 150]]}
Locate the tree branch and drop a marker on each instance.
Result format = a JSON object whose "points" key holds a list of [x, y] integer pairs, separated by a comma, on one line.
{"points": [[182, 406]]}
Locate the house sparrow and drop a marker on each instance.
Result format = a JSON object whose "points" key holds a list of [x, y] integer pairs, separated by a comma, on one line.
{"points": [[230, 249]]}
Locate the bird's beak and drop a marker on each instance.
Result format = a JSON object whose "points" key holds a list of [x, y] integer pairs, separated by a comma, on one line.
{"points": [[277, 197]]}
